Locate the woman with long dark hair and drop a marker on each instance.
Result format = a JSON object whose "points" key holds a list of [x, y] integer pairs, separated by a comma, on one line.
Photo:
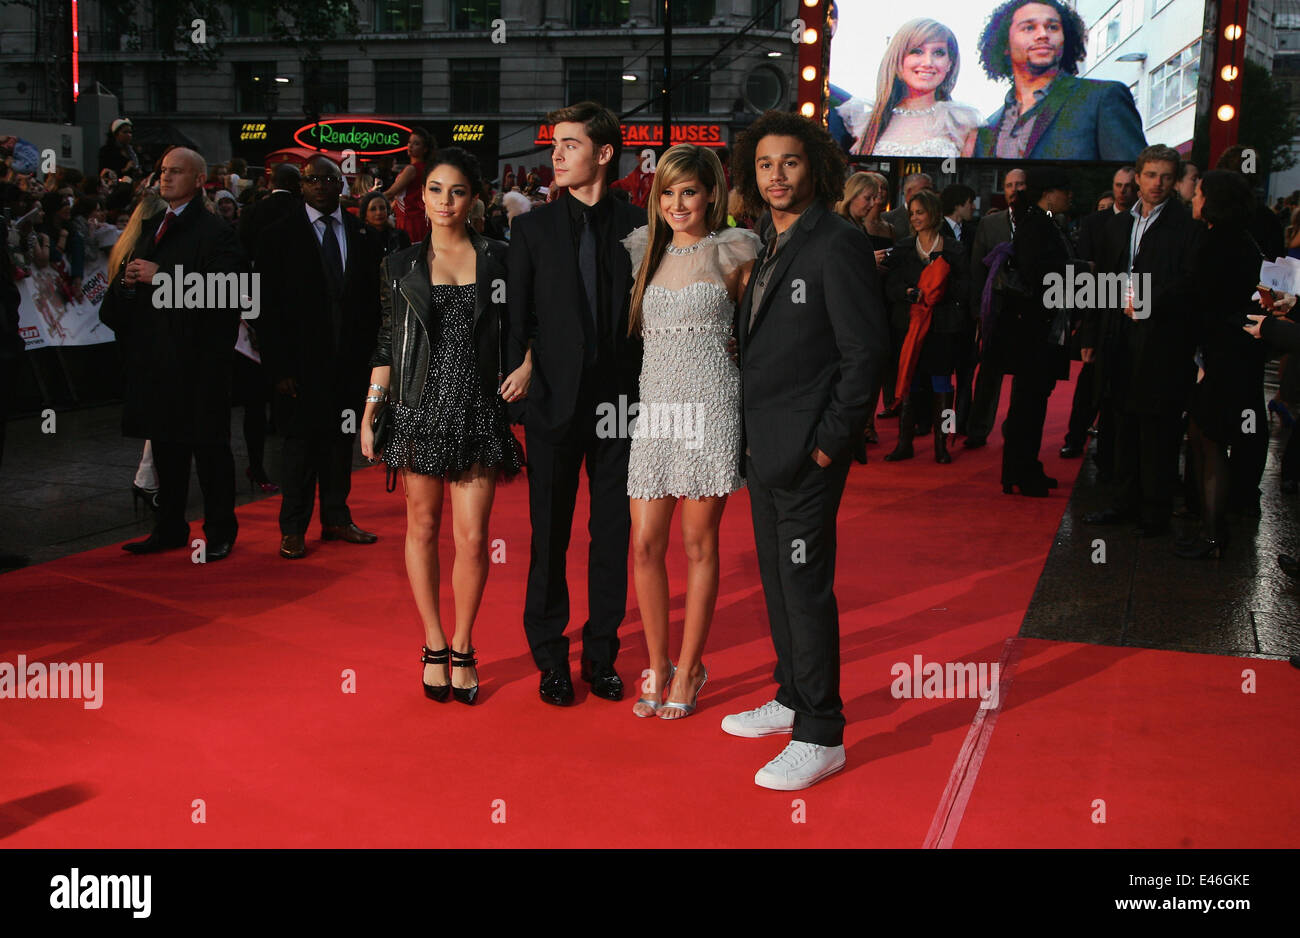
{"points": [[378, 221], [437, 367], [406, 192], [1231, 376]]}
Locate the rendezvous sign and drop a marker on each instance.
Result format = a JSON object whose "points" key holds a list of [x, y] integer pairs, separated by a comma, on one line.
{"points": [[364, 136]]}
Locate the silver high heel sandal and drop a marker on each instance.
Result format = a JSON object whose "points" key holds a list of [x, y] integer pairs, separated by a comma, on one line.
{"points": [[655, 704], [687, 709]]}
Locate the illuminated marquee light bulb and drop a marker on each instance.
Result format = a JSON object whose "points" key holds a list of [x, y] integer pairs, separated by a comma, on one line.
{"points": [[810, 36], [1226, 113], [1229, 73], [807, 109], [809, 73], [1232, 32]]}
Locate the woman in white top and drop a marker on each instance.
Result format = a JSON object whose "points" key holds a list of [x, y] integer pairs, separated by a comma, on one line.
{"points": [[914, 114], [691, 268]]}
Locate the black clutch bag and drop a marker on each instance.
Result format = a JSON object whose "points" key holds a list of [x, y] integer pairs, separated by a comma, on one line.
{"points": [[381, 424]]}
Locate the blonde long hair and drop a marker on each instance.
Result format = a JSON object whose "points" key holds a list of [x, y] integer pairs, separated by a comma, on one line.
{"points": [[684, 161], [151, 203], [890, 89]]}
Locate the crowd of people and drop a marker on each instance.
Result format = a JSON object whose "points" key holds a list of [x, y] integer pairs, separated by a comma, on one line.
{"points": [[383, 317]]}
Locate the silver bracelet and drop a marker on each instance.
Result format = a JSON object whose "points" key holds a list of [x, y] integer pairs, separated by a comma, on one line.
{"points": [[375, 400], [375, 387]]}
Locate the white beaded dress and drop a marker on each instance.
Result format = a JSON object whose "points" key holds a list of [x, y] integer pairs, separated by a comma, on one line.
{"points": [[686, 434], [941, 130]]}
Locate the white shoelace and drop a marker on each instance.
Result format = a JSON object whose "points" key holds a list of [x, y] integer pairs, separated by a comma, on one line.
{"points": [[771, 708], [794, 754]]}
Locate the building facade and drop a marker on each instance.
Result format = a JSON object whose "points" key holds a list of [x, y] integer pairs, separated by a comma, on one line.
{"points": [[482, 71]]}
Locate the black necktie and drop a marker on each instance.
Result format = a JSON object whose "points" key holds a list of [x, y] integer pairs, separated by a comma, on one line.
{"points": [[329, 246], [587, 267]]}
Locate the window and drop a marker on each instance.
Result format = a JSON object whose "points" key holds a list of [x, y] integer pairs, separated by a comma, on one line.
{"points": [[398, 16], [595, 13], [690, 97], [117, 32], [254, 83], [398, 88], [248, 21], [475, 85], [764, 89], [474, 14], [1173, 84], [326, 87], [166, 25], [688, 12], [599, 80], [775, 16], [160, 86]]}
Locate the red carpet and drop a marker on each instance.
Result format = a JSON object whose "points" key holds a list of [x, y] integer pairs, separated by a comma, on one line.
{"points": [[224, 683]]}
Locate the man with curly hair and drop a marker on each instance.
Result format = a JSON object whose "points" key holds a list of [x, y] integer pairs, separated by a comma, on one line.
{"points": [[812, 340], [1049, 113]]}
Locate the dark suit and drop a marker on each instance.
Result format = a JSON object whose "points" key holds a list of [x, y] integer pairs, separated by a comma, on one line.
{"points": [[177, 370], [264, 213], [900, 220], [808, 365], [1145, 366], [967, 359], [323, 341], [549, 308], [1079, 119], [994, 229]]}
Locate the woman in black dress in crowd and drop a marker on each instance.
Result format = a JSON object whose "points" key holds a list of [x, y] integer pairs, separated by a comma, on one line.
{"points": [[1031, 341], [1231, 376], [437, 367], [377, 216], [939, 351]]}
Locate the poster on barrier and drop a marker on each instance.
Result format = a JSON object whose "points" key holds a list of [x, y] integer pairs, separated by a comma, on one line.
{"points": [[49, 314]]}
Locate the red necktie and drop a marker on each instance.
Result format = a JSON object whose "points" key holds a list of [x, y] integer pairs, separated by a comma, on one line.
{"points": [[167, 220]]}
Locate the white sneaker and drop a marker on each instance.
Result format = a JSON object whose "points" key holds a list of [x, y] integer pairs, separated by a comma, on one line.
{"points": [[767, 720], [800, 765]]}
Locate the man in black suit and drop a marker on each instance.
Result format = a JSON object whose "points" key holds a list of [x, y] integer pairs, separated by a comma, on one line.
{"points": [[994, 229], [569, 280], [1084, 408], [321, 278], [177, 357], [286, 195], [1049, 114], [812, 340], [1145, 348], [957, 202]]}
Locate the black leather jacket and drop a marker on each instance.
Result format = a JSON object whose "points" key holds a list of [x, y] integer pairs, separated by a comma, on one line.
{"points": [[408, 320]]}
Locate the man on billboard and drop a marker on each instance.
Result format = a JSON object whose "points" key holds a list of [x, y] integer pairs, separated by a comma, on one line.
{"points": [[1049, 113]]}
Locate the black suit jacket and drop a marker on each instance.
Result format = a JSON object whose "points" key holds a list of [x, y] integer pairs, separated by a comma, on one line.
{"points": [[296, 327], [262, 214], [547, 304], [1080, 119], [818, 344], [177, 361], [1147, 365]]}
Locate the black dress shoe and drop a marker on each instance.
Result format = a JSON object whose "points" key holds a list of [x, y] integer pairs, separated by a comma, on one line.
{"points": [[1071, 452], [974, 442], [1107, 516], [604, 681], [347, 532], [154, 544], [219, 551], [556, 687]]}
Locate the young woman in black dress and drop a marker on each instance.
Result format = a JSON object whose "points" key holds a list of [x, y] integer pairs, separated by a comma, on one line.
{"points": [[437, 366]]}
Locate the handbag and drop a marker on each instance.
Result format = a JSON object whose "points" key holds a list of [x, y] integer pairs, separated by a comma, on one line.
{"points": [[381, 425]]}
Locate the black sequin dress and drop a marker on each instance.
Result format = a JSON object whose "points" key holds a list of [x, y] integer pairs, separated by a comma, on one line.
{"points": [[454, 426]]}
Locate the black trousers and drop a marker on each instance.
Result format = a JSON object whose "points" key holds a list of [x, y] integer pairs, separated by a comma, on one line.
{"points": [[1146, 463], [984, 402], [321, 461], [215, 465], [794, 535], [1248, 459], [553, 470], [966, 361], [1083, 409], [1022, 431]]}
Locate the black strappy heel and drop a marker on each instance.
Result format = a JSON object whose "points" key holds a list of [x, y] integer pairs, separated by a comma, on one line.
{"points": [[438, 692], [465, 695]]}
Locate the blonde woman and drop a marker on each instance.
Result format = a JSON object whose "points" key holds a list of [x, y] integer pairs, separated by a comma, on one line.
{"points": [[691, 269], [914, 114], [145, 486]]}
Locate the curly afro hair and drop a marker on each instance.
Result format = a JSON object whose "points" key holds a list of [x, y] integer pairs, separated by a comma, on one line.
{"points": [[824, 156], [995, 40]]}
